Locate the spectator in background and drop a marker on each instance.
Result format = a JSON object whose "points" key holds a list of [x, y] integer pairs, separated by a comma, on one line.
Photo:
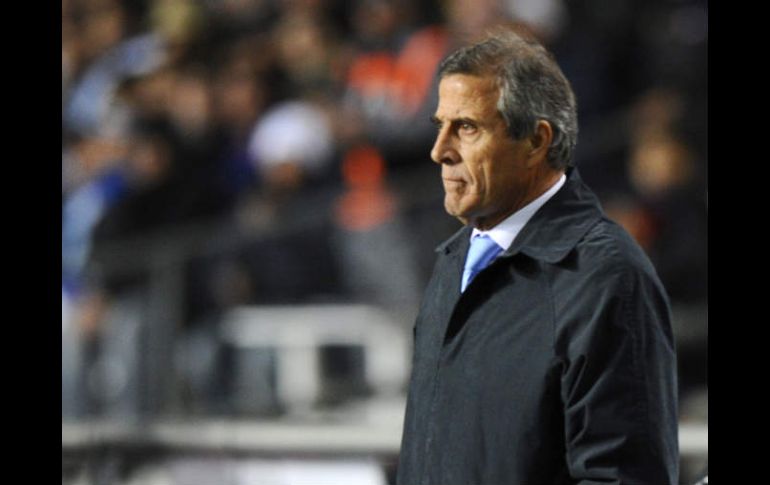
{"points": [[467, 20], [543, 19], [664, 177], [389, 78], [93, 183], [108, 56], [182, 24], [234, 20], [377, 260], [292, 150], [172, 176], [291, 146], [240, 98], [172, 170], [148, 201], [146, 204], [665, 207], [306, 49]]}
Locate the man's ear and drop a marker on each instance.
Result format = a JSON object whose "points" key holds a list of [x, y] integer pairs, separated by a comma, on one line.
{"points": [[540, 141]]}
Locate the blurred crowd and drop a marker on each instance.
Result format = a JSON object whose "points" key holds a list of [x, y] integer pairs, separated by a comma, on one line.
{"points": [[292, 136]]}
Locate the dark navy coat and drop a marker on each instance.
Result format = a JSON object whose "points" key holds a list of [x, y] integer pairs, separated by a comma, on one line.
{"points": [[556, 366]]}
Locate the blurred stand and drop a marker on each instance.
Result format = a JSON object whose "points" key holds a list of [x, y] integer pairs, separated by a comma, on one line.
{"points": [[311, 356]]}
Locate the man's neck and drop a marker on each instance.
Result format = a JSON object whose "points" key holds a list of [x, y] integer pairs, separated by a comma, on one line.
{"points": [[546, 183], [506, 231]]}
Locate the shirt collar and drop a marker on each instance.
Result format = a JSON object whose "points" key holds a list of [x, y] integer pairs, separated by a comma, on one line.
{"points": [[553, 230], [506, 231]]}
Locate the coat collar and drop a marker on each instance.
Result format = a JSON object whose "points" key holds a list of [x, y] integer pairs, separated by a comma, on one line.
{"points": [[554, 229]]}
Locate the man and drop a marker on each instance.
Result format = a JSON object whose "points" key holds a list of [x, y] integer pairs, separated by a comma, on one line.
{"points": [[554, 363]]}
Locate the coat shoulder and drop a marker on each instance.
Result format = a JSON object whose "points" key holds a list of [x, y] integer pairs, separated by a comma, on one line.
{"points": [[608, 249]]}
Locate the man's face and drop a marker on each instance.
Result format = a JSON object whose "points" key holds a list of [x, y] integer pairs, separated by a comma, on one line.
{"points": [[486, 174]]}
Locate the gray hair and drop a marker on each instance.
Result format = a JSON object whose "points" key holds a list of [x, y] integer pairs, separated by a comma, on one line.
{"points": [[532, 88]]}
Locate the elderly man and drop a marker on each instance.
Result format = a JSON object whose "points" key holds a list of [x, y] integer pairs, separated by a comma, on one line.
{"points": [[543, 348]]}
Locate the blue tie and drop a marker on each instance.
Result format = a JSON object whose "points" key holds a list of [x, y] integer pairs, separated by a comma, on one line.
{"points": [[482, 251]]}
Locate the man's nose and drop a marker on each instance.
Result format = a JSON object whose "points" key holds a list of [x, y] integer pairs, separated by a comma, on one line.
{"points": [[443, 150]]}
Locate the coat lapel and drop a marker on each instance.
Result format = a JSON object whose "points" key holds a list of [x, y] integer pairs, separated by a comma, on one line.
{"points": [[450, 263]]}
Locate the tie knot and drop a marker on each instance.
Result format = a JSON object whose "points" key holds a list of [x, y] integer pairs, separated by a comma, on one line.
{"points": [[482, 251]]}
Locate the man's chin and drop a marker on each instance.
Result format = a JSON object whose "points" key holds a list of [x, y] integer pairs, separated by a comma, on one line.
{"points": [[455, 212]]}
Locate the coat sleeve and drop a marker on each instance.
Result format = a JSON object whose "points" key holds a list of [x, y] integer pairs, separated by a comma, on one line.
{"points": [[618, 381]]}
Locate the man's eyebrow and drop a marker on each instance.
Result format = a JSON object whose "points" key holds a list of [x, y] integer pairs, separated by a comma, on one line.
{"points": [[462, 119]]}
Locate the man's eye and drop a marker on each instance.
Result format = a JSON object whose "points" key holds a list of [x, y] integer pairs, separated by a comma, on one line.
{"points": [[467, 127]]}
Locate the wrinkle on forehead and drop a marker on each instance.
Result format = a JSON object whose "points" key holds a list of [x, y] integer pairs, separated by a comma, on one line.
{"points": [[465, 95]]}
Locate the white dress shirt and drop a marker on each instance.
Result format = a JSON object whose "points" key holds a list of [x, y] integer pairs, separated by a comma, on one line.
{"points": [[506, 231]]}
